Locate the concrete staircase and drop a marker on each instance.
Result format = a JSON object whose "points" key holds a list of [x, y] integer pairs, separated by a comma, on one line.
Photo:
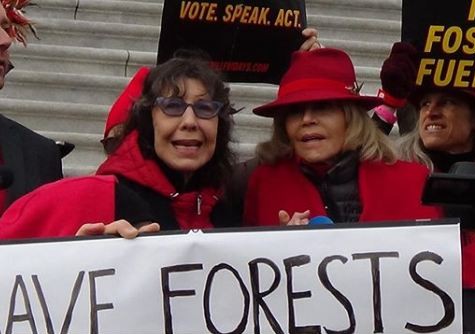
{"points": [[64, 83]]}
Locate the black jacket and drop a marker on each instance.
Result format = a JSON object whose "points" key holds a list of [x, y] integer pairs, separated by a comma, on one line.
{"points": [[33, 159]]}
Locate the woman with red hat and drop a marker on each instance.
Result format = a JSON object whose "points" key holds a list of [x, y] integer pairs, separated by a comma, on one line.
{"points": [[326, 156]]}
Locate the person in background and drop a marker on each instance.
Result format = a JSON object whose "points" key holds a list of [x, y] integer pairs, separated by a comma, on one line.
{"points": [[27, 159], [437, 126], [326, 156], [444, 134], [441, 133], [167, 172]]}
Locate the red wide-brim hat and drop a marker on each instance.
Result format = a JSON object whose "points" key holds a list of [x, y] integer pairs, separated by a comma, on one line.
{"points": [[321, 75]]}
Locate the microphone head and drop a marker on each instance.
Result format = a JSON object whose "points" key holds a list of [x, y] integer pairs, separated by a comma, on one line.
{"points": [[319, 220], [6, 177]]}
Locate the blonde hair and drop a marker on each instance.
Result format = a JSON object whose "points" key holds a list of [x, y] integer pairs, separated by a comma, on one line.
{"points": [[361, 134], [411, 148]]}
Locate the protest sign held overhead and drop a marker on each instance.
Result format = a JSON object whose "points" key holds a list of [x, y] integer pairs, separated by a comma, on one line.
{"points": [[444, 32], [249, 40], [361, 279]]}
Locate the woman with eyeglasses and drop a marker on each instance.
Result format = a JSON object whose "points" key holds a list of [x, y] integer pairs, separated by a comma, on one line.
{"points": [[167, 172]]}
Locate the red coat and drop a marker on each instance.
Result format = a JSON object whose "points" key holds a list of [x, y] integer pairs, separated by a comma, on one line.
{"points": [[60, 208], [468, 259], [387, 192]]}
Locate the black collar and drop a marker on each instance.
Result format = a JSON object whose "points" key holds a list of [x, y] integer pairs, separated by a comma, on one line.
{"points": [[443, 161], [344, 170]]}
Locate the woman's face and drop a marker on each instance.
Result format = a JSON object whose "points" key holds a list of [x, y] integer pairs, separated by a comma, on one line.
{"points": [[185, 143], [446, 123], [317, 132]]}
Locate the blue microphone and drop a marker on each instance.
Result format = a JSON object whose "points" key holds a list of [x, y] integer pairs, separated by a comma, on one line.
{"points": [[320, 220]]}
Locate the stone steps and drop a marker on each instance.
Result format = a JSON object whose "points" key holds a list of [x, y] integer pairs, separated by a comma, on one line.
{"points": [[104, 61], [63, 87], [79, 59], [51, 116], [102, 90], [369, 9], [126, 12], [354, 29], [98, 34]]}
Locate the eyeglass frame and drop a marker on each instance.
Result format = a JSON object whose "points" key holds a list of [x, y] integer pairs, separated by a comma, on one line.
{"points": [[216, 104]]}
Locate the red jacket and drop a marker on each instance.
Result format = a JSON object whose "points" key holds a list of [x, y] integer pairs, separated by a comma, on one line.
{"points": [[387, 192], [468, 259], [60, 208]]}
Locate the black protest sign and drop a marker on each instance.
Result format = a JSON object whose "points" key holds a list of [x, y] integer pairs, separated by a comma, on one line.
{"points": [[444, 33], [249, 41]]}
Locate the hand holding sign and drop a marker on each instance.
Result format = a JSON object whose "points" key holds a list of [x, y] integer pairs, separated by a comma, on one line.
{"points": [[120, 227], [311, 40], [298, 218]]}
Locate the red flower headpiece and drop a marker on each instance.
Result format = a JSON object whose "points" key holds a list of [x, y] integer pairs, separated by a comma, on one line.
{"points": [[20, 23]]}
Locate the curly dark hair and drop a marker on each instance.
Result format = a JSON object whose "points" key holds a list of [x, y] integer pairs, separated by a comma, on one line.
{"points": [[168, 77]]}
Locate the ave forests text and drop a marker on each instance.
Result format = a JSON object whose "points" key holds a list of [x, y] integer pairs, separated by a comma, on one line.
{"points": [[253, 306]]}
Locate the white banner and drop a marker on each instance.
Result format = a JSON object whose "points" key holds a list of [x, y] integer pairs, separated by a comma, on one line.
{"points": [[404, 279]]}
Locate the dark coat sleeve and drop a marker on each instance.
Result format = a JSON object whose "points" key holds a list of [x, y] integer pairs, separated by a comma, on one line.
{"points": [[33, 159], [229, 210], [382, 125]]}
